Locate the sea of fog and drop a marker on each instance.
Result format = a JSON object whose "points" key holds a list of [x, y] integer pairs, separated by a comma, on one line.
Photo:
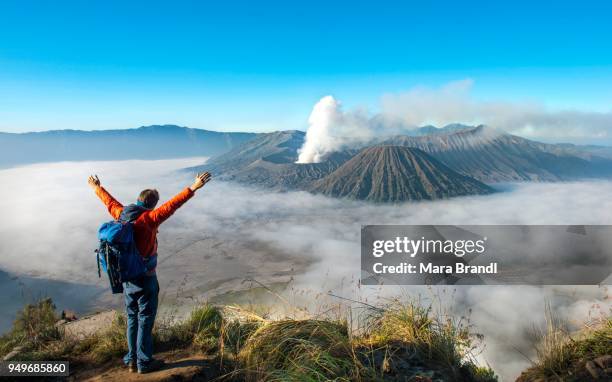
{"points": [[229, 233]]}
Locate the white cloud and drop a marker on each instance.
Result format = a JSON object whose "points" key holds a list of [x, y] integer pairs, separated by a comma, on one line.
{"points": [[331, 128], [453, 103]]}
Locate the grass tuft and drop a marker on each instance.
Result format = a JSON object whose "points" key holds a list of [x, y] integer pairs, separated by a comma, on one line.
{"points": [[300, 350], [562, 356], [437, 347]]}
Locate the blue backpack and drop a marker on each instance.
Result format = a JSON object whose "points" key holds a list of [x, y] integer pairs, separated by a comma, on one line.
{"points": [[117, 254]]}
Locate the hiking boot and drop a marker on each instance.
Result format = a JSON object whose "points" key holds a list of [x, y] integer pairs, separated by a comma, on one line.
{"points": [[132, 367], [152, 366]]}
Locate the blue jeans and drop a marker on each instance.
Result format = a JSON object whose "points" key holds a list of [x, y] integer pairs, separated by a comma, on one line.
{"points": [[141, 308]]}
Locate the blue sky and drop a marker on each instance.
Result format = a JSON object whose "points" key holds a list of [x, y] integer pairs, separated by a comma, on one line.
{"points": [[261, 66]]}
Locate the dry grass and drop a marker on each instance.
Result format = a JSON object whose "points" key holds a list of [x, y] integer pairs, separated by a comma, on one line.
{"points": [[299, 350], [432, 338], [551, 347], [398, 341], [561, 355], [407, 338]]}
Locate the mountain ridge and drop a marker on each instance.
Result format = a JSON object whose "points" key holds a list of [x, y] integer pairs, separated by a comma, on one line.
{"points": [[479, 152], [145, 142], [492, 156]]}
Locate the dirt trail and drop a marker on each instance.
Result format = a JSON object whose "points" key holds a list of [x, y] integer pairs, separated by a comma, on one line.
{"points": [[179, 367]]}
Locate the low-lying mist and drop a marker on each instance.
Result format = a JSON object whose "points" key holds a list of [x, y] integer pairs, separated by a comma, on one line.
{"points": [[228, 232]]}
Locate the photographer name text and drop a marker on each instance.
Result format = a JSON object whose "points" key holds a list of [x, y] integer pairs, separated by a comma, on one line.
{"points": [[430, 268]]}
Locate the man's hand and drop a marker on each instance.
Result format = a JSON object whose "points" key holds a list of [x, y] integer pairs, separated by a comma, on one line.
{"points": [[93, 181], [200, 180]]}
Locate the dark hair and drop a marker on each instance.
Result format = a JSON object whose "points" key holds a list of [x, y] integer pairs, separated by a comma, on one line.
{"points": [[149, 198]]}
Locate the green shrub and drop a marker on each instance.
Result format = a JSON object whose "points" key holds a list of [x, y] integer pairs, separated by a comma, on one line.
{"points": [[33, 327], [205, 324], [36, 322]]}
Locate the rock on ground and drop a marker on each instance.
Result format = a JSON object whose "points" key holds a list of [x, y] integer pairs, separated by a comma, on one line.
{"points": [[89, 325]]}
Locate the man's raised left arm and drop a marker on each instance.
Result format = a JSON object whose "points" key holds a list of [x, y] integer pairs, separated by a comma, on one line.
{"points": [[163, 212]]}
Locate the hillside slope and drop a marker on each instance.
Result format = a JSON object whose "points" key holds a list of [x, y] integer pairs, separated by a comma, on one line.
{"points": [[395, 174], [492, 156], [269, 161]]}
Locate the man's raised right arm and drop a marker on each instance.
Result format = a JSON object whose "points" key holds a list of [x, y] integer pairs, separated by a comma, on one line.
{"points": [[114, 207]]}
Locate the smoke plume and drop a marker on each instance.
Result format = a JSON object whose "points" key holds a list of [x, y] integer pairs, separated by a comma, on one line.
{"points": [[331, 128]]}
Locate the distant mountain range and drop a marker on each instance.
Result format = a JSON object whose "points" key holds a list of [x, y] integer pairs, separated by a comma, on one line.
{"points": [[427, 163], [459, 159], [147, 142]]}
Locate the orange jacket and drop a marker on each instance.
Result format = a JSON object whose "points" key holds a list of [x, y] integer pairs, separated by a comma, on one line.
{"points": [[145, 227]]}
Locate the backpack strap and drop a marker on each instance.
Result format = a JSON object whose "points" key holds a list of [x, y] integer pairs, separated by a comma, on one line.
{"points": [[98, 260]]}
